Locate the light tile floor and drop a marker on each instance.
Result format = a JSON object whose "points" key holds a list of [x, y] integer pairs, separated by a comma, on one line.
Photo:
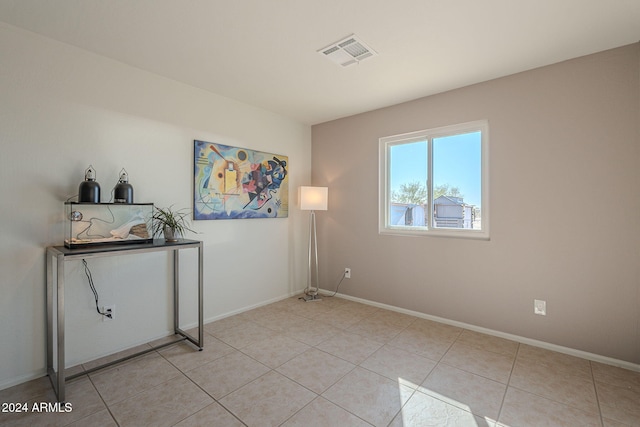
{"points": [[339, 363]]}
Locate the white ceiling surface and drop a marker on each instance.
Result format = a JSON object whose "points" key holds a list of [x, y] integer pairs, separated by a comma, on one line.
{"points": [[263, 52]]}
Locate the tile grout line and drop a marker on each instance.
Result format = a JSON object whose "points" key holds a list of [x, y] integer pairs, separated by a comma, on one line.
{"points": [[355, 366], [110, 368], [107, 407], [595, 389], [506, 390], [208, 394]]}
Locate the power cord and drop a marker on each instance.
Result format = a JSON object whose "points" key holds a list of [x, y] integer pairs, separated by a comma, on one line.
{"points": [[344, 273], [91, 220], [93, 289]]}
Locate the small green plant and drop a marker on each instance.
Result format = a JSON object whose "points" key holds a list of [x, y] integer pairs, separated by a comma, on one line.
{"points": [[172, 223]]}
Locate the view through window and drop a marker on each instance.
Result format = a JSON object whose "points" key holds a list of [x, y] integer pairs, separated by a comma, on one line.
{"points": [[435, 181]]}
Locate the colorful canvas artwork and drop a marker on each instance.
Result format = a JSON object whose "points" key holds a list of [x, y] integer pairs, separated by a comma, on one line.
{"points": [[233, 183]]}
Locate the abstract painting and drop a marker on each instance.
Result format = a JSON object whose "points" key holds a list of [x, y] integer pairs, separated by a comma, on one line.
{"points": [[232, 183]]}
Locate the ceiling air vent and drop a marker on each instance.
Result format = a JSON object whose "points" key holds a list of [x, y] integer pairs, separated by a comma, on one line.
{"points": [[348, 51]]}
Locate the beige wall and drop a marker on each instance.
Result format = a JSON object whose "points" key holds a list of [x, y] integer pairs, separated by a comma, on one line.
{"points": [[564, 200]]}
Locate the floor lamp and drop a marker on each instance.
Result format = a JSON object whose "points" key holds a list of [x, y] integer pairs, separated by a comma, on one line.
{"points": [[313, 199]]}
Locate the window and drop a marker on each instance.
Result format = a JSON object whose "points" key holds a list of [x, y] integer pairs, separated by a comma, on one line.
{"points": [[435, 182]]}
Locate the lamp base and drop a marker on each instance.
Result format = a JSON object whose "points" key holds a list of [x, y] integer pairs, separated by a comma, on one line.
{"points": [[311, 298]]}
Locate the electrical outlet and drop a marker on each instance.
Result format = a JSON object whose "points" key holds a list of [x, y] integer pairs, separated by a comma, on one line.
{"points": [[540, 307], [108, 309], [347, 273]]}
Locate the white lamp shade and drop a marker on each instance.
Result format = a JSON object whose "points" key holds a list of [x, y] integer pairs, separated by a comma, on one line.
{"points": [[314, 198]]}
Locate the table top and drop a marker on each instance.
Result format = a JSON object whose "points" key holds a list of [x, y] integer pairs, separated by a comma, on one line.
{"points": [[157, 244]]}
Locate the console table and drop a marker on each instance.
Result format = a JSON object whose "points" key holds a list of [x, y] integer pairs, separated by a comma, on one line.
{"points": [[56, 258]]}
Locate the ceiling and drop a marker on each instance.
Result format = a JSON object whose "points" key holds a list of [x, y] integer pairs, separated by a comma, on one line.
{"points": [[264, 52]]}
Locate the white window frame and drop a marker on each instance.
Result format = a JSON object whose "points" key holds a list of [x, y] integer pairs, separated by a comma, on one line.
{"points": [[428, 135]]}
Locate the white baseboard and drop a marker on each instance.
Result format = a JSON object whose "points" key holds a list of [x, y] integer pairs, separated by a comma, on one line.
{"points": [[23, 378], [548, 346], [247, 308]]}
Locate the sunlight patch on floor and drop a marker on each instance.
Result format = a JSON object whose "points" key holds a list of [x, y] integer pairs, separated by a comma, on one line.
{"points": [[429, 408]]}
